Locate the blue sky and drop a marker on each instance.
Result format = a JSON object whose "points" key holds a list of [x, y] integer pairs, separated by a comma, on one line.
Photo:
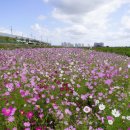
{"points": [[76, 21], [21, 13]]}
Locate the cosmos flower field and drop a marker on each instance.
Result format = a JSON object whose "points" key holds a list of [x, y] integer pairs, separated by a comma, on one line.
{"points": [[64, 89]]}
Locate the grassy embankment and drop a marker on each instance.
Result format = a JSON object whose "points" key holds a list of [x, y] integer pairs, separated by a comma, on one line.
{"points": [[118, 50]]}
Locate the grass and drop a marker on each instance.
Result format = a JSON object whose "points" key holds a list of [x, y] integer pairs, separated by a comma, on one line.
{"points": [[118, 50], [11, 46]]}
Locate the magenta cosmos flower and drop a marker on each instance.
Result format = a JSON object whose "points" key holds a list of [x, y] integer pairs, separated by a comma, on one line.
{"points": [[110, 118], [29, 115], [8, 111], [39, 128]]}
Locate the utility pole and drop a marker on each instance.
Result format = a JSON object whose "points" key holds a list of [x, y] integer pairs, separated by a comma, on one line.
{"points": [[11, 30], [47, 39], [31, 36], [41, 38]]}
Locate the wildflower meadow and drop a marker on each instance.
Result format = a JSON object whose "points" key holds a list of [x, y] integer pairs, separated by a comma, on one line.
{"points": [[64, 89]]}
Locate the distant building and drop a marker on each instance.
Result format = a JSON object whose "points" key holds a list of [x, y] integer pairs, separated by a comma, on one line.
{"points": [[101, 44], [68, 44], [78, 45]]}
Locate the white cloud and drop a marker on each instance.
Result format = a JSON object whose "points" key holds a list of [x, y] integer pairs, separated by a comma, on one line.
{"points": [[4, 30], [46, 34], [40, 29], [41, 17], [126, 22], [14, 32], [97, 16], [88, 20], [46, 1], [77, 6]]}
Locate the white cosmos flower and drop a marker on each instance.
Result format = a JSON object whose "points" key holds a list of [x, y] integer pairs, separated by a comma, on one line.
{"points": [[90, 96], [123, 117], [72, 81], [77, 109], [72, 63], [38, 79], [117, 87], [110, 122], [87, 109], [65, 122], [128, 65], [120, 68], [61, 71], [77, 98], [97, 102], [116, 113], [128, 118], [8, 73], [75, 93], [41, 73], [9, 89], [100, 98], [101, 107], [57, 63], [60, 75], [25, 105]]}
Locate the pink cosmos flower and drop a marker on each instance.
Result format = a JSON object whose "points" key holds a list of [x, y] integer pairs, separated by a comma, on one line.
{"points": [[67, 111], [18, 84], [41, 115], [27, 129], [110, 120], [87, 109], [7, 93], [26, 124], [15, 128], [29, 115], [108, 82], [9, 86], [100, 94], [89, 85], [99, 129], [61, 116], [102, 119], [24, 93], [43, 95], [101, 75], [83, 97], [53, 87], [23, 78], [70, 128], [78, 86], [55, 106], [8, 111], [47, 100], [11, 119]]}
